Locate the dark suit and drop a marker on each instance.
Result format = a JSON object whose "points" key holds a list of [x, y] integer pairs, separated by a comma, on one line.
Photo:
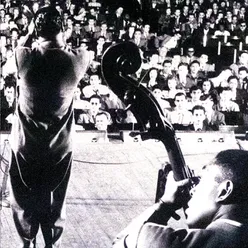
{"points": [[41, 138], [205, 127], [220, 233], [77, 37], [107, 35], [89, 32], [199, 34], [217, 119], [142, 44]]}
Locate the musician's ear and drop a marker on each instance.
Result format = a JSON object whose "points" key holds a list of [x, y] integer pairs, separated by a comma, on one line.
{"points": [[224, 191]]}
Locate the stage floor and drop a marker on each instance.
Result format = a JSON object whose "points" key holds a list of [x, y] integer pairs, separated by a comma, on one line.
{"points": [[111, 183]]}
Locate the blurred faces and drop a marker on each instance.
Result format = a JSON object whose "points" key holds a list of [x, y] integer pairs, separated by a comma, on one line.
{"points": [[95, 81], [77, 93], [172, 83], [168, 11], [95, 105], [77, 27], [102, 122], [137, 34], [233, 84], [91, 22], [9, 93], [69, 22], [153, 74], [177, 12], [180, 102], [243, 74], [208, 104], [243, 58], [194, 68], [182, 70], [154, 59], [14, 35], [104, 27], [190, 51], [195, 95], [157, 93], [100, 41], [206, 86], [119, 11], [204, 59], [167, 68], [225, 95], [242, 26], [198, 117], [147, 28], [191, 18]]}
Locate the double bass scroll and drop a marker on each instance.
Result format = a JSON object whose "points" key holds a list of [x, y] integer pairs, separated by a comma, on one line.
{"points": [[118, 62]]}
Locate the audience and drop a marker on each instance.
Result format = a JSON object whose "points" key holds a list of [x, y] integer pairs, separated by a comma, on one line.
{"points": [[175, 51]]}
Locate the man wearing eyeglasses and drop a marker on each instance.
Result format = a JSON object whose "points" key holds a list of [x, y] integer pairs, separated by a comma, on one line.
{"points": [[242, 31], [217, 213]]}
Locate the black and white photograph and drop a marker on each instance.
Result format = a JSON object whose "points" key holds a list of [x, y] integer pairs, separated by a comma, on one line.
{"points": [[124, 124]]}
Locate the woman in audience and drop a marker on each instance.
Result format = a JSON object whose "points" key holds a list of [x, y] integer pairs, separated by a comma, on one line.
{"points": [[151, 79], [206, 87]]}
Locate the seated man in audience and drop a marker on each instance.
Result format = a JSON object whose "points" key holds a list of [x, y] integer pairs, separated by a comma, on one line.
{"points": [[103, 120], [216, 215], [8, 103], [104, 32], [91, 28], [214, 118], [190, 56], [225, 103], [95, 87], [89, 115], [182, 73], [79, 105], [205, 67], [237, 95], [99, 48], [165, 105], [176, 60], [165, 73], [198, 119], [78, 34], [195, 75], [180, 116], [243, 61], [195, 95], [243, 78]]}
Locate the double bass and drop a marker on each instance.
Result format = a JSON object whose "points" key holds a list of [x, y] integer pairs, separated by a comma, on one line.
{"points": [[119, 62]]}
